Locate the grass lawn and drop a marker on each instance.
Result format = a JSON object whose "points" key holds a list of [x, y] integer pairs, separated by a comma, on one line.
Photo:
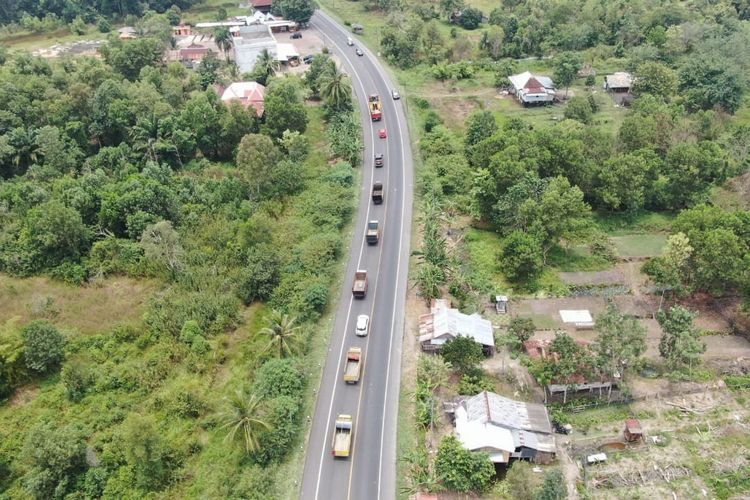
{"points": [[206, 11], [621, 224], [85, 310], [640, 245], [34, 41]]}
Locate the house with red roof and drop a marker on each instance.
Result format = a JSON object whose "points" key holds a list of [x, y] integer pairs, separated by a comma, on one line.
{"points": [[532, 89], [246, 93]]}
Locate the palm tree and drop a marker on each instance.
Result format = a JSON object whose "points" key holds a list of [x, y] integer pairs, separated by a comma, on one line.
{"points": [[244, 418], [336, 88], [282, 333], [224, 41], [266, 65]]}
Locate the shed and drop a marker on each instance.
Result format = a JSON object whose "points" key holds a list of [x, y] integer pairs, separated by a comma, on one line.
{"points": [[633, 431], [618, 82], [263, 6], [501, 304], [444, 323]]}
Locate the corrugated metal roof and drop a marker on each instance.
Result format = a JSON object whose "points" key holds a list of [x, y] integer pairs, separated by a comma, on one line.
{"points": [[444, 323]]}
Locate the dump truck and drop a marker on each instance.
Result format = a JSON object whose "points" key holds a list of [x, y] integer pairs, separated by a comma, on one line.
{"points": [[359, 288], [373, 232], [353, 366], [377, 192], [342, 436], [376, 110]]}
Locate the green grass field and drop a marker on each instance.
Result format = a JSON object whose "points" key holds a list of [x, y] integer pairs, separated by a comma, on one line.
{"points": [[640, 245]]}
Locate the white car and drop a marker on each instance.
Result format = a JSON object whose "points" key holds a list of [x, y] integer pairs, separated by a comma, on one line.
{"points": [[363, 325], [396, 96], [349, 41]]}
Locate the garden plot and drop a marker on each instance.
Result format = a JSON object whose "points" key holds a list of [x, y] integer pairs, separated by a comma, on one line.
{"points": [[702, 444]]}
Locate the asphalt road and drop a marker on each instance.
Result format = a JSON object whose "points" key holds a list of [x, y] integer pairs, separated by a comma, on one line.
{"points": [[370, 471]]}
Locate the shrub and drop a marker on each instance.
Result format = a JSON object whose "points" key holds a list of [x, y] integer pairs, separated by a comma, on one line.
{"points": [[43, 346], [474, 383], [57, 457], [76, 377], [463, 353], [462, 470], [341, 174], [521, 328], [73, 274], [278, 377], [284, 412]]}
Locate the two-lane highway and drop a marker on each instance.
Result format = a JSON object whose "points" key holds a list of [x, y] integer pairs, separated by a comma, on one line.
{"points": [[370, 471]]}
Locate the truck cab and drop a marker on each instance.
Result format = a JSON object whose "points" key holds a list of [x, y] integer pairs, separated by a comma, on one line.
{"points": [[373, 232]]}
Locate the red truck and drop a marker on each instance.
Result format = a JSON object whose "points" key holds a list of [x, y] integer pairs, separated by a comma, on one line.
{"points": [[376, 109]]}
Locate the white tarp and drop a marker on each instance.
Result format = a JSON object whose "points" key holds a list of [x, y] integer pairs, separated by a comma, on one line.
{"points": [[582, 316]]}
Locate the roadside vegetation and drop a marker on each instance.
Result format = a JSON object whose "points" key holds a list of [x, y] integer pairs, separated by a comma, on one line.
{"points": [[167, 263]]}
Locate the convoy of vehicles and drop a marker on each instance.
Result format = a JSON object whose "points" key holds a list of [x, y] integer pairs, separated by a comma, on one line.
{"points": [[342, 436], [353, 366], [344, 425]]}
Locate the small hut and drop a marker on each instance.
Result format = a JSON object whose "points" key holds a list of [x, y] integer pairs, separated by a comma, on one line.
{"points": [[633, 431]]}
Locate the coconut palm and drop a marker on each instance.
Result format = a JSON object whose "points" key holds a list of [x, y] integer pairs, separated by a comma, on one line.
{"points": [[336, 88], [224, 41], [266, 66], [244, 418], [283, 335]]}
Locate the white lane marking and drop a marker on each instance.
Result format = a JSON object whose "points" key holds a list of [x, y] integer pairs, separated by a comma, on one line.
{"points": [[351, 299]]}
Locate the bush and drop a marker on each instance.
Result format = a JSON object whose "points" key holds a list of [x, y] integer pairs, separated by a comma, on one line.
{"points": [[43, 346], [76, 377], [470, 18], [57, 457], [463, 353], [462, 470], [475, 383], [278, 377], [341, 174], [432, 120], [579, 108], [284, 412], [70, 273], [521, 328]]}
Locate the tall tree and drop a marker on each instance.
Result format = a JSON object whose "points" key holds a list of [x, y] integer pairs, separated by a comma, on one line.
{"points": [[266, 66], [621, 341], [244, 419], [463, 353], [479, 126], [284, 336], [336, 89], [566, 67], [680, 344], [224, 41]]}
